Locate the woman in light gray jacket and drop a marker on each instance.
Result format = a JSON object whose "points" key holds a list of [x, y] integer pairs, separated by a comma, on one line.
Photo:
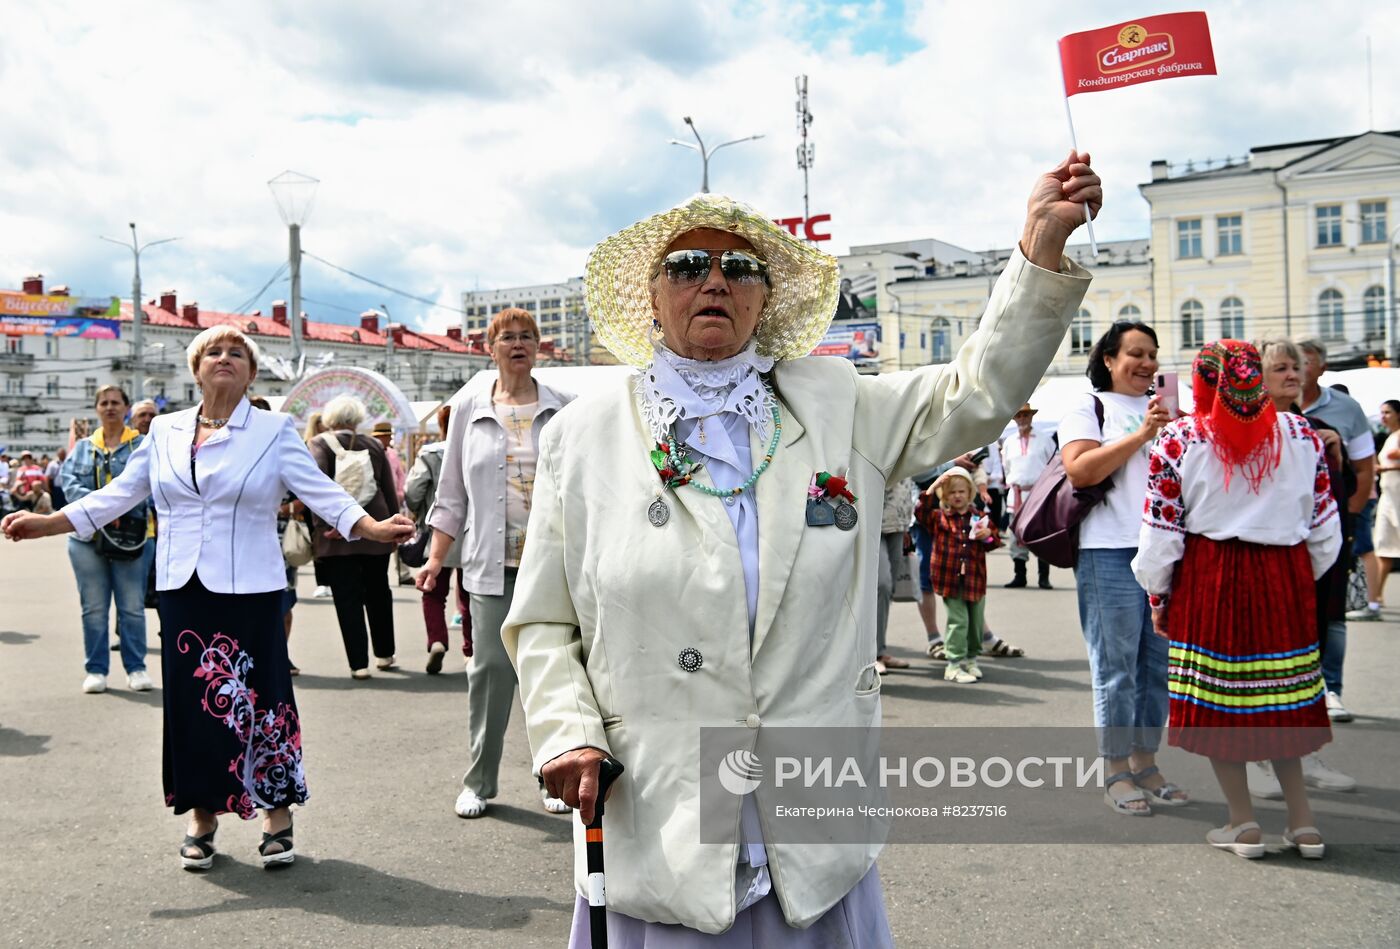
{"points": [[483, 499]]}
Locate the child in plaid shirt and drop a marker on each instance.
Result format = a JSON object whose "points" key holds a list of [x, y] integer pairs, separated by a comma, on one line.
{"points": [[958, 568]]}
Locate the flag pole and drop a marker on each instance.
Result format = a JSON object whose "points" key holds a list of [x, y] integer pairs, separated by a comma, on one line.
{"points": [[1074, 143]]}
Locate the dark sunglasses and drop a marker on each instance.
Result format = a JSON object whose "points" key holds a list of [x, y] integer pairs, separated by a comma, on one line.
{"points": [[686, 268]]}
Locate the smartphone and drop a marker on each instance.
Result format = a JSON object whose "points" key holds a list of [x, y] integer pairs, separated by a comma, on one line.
{"points": [[1167, 388]]}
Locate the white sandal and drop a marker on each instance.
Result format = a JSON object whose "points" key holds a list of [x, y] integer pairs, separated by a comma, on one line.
{"points": [[1308, 851], [1228, 838]]}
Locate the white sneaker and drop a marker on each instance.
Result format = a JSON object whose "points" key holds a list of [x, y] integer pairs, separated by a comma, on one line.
{"points": [[1316, 773], [552, 804], [1364, 615], [457, 621], [387, 662], [322, 593], [139, 681], [972, 668], [955, 673], [94, 683], [1336, 710], [1262, 781], [469, 804]]}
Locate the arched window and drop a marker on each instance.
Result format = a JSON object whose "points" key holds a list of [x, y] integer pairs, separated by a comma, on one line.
{"points": [[1331, 317], [1232, 318], [942, 340], [1373, 306], [1193, 325], [1081, 333], [1130, 312]]}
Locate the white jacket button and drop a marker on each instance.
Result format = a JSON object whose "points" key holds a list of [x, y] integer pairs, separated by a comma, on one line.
{"points": [[752, 721]]}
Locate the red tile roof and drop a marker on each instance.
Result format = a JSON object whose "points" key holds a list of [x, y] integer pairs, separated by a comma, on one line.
{"points": [[313, 329]]}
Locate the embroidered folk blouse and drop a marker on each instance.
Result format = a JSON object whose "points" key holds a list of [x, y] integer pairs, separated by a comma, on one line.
{"points": [[1187, 494]]}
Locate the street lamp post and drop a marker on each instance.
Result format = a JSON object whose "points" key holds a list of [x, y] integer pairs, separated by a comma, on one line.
{"points": [[137, 314], [705, 153], [1390, 350], [294, 194]]}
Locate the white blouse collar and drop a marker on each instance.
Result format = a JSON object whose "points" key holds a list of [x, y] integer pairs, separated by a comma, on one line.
{"points": [[674, 388]]}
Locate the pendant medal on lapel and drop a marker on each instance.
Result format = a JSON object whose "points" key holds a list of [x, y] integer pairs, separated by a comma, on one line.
{"points": [[819, 513], [658, 513], [846, 516]]}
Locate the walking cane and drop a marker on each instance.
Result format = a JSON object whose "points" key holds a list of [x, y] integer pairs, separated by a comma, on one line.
{"points": [[608, 771]]}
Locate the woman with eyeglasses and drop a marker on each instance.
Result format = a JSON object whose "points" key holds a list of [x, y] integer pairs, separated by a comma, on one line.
{"points": [[483, 497], [1108, 435], [704, 551]]}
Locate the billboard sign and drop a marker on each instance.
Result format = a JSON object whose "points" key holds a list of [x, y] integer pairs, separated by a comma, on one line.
{"points": [[858, 342], [28, 314]]}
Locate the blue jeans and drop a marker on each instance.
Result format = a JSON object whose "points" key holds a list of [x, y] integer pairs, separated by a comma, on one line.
{"points": [[1334, 650], [1127, 661], [99, 582]]}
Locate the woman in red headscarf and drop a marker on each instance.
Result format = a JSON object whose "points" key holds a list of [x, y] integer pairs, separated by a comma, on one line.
{"points": [[1239, 521]]}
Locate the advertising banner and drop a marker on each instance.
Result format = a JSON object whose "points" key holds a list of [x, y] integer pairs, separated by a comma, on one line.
{"points": [[1144, 50], [28, 314], [858, 342]]}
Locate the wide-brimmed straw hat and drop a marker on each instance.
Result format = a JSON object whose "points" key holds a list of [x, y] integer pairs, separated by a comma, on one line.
{"points": [[801, 302]]}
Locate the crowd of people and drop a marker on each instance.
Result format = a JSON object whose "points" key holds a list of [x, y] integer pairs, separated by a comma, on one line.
{"points": [[692, 508]]}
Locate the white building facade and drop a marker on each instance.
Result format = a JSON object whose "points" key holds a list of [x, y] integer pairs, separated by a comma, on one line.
{"points": [[46, 381]]}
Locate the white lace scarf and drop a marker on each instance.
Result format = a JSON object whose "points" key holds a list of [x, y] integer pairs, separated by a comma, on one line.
{"points": [[674, 388]]}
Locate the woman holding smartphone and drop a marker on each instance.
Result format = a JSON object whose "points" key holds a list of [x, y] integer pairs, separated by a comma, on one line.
{"points": [[1107, 435]]}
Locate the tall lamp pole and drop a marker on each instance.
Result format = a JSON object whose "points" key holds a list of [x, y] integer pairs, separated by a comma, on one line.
{"points": [[137, 314], [705, 153], [294, 193], [1390, 327]]}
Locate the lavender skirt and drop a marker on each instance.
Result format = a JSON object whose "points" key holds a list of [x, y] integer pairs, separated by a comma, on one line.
{"points": [[857, 922]]}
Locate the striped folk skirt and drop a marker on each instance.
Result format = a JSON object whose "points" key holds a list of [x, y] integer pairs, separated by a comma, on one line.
{"points": [[1244, 671]]}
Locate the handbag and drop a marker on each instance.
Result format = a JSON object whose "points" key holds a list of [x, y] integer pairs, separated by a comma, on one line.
{"points": [[124, 538], [297, 549], [906, 579], [1047, 522], [414, 553]]}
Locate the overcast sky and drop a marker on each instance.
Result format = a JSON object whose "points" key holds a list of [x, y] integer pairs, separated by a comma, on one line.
{"points": [[464, 145]]}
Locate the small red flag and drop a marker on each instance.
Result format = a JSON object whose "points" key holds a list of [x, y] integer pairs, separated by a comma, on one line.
{"points": [[1155, 47]]}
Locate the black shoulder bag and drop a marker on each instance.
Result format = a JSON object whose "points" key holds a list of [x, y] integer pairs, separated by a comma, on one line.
{"points": [[124, 538]]}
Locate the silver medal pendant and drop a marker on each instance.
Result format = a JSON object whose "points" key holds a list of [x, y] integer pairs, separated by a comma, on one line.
{"points": [[846, 516], [658, 513]]}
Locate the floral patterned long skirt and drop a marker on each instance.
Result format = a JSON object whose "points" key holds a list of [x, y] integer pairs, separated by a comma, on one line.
{"points": [[232, 735]]}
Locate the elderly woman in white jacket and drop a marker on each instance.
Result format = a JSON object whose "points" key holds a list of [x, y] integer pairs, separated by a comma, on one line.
{"points": [[704, 542], [218, 474]]}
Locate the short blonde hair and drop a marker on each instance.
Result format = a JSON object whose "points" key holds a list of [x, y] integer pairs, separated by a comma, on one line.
{"points": [[219, 334], [1274, 346], [511, 314], [343, 412]]}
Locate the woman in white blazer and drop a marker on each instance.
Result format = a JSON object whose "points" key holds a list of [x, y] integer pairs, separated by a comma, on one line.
{"points": [[657, 597], [218, 473]]}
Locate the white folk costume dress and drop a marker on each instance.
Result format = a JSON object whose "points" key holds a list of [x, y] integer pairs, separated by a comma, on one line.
{"points": [[778, 625], [1234, 564]]}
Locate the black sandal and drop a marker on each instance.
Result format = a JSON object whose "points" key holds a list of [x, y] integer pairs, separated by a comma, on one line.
{"points": [[204, 846], [277, 858]]}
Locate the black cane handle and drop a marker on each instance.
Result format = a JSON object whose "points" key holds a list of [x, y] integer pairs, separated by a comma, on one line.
{"points": [[609, 770]]}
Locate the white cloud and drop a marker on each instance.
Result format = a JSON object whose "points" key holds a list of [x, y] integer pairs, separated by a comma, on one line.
{"points": [[493, 144]]}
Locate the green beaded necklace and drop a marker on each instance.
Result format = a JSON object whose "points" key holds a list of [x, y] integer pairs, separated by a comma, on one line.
{"points": [[679, 470]]}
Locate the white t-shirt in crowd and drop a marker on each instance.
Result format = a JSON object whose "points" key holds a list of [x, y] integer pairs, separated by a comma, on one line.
{"points": [[1117, 521]]}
